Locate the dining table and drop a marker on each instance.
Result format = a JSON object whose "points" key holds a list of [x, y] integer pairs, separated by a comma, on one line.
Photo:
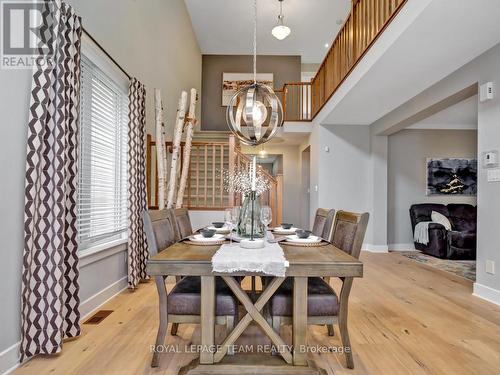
{"points": [[323, 260]]}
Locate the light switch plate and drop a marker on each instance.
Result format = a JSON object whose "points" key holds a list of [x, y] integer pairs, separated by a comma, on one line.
{"points": [[493, 175], [490, 267]]}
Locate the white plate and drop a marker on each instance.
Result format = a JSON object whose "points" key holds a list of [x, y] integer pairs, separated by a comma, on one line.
{"points": [[296, 239], [284, 231], [200, 238], [224, 229]]}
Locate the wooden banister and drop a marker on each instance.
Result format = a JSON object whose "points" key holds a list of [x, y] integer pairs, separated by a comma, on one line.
{"points": [[366, 22], [205, 190]]}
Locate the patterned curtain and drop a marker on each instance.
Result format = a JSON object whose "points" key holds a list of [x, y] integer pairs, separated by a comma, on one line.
{"points": [[137, 247], [50, 302]]}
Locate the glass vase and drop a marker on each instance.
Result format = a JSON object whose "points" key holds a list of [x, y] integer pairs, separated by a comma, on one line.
{"points": [[245, 220]]}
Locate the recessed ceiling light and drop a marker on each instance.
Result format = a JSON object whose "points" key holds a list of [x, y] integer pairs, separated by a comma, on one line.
{"points": [[327, 45]]}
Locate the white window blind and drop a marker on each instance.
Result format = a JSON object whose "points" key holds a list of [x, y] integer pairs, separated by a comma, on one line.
{"points": [[102, 200]]}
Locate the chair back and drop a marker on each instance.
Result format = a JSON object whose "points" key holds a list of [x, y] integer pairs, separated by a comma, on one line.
{"points": [[323, 223], [183, 223], [349, 231], [160, 230]]}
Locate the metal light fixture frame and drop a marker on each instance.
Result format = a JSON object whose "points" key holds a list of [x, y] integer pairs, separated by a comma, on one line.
{"points": [[242, 104]]}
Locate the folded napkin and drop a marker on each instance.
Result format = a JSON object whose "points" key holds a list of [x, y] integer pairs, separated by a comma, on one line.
{"points": [[269, 260]]}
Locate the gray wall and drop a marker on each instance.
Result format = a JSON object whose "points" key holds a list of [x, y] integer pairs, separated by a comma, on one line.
{"points": [[154, 41], [484, 68], [408, 150], [213, 114]]}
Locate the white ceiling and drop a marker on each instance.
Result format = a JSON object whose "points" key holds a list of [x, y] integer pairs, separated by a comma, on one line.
{"points": [[226, 26], [462, 115]]}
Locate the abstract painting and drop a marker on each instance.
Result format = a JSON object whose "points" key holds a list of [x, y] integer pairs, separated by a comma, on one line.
{"points": [[451, 176], [232, 82]]}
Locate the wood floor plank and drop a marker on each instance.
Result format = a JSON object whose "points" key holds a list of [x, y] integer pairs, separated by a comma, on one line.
{"points": [[404, 318]]}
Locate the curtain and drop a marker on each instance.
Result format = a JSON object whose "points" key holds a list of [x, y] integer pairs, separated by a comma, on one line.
{"points": [[50, 302], [137, 247]]}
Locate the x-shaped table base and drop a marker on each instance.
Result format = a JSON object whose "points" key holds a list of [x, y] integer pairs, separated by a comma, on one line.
{"points": [[253, 314]]}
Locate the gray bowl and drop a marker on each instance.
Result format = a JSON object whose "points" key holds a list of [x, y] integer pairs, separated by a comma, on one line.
{"points": [[301, 233], [218, 224], [286, 225], [207, 233]]}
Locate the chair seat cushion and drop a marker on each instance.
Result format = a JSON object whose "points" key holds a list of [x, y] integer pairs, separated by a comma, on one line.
{"points": [[321, 299], [185, 298]]}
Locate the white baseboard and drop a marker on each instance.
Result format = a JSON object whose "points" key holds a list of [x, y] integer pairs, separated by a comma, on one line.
{"points": [[100, 298], [487, 293], [9, 359], [401, 246], [375, 248]]}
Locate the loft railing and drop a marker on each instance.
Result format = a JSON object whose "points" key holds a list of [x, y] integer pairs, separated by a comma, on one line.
{"points": [[366, 22], [205, 185], [296, 100]]}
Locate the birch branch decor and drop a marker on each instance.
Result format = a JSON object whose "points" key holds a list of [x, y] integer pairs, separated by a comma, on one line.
{"points": [[190, 123], [161, 155], [176, 144]]}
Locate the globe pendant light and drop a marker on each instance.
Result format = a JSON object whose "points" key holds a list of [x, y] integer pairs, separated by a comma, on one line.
{"points": [[280, 31], [254, 113]]}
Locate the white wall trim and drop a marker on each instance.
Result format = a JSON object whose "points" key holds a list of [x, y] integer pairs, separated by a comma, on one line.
{"points": [[486, 293], [100, 298], [401, 246], [375, 248], [98, 252], [9, 359]]}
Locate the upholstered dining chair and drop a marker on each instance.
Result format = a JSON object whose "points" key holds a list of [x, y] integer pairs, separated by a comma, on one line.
{"points": [[323, 223], [182, 222], [323, 305], [183, 303]]}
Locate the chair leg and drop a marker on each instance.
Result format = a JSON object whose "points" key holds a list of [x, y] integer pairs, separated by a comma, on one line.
{"points": [[162, 328], [277, 323], [173, 330], [331, 331], [229, 329], [276, 327], [344, 333]]}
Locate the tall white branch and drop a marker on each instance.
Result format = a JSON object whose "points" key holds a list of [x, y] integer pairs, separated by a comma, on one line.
{"points": [[176, 144], [161, 154], [190, 122]]}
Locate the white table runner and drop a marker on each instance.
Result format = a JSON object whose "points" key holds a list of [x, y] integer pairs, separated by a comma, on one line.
{"points": [[269, 260]]}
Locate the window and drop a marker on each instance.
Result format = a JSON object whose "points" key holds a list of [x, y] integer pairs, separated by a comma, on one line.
{"points": [[102, 182]]}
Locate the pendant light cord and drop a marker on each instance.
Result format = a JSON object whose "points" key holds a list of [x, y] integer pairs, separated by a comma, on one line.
{"points": [[255, 42]]}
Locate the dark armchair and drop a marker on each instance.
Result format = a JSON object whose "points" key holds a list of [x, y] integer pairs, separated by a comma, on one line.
{"points": [[460, 242]]}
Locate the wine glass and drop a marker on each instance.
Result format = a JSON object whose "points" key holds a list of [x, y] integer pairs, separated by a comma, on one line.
{"points": [[232, 216], [228, 220], [266, 217]]}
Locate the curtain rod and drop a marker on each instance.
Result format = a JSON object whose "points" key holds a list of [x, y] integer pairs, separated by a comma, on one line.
{"points": [[106, 53]]}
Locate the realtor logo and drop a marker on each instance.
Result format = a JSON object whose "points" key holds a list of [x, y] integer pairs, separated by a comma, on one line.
{"points": [[27, 38]]}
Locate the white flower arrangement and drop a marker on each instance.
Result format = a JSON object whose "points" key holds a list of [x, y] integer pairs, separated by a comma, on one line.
{"points": [[241, 182]]}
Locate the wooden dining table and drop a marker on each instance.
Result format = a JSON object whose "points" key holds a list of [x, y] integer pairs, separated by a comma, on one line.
{"points": [[185, 259]]}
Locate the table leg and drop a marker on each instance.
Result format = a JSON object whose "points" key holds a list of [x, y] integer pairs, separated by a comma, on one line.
{"points": [[163, 313], [299, 321], [207, 319]]}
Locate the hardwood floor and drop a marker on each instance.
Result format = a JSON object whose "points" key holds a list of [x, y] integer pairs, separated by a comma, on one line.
{"points": [[405, 318]]}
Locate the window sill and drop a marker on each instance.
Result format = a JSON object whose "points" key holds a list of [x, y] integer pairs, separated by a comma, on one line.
{"points": [[101, 251]]}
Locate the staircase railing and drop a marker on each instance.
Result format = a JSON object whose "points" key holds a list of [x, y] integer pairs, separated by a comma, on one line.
{"points": [[205, 185], [367, 21]]}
